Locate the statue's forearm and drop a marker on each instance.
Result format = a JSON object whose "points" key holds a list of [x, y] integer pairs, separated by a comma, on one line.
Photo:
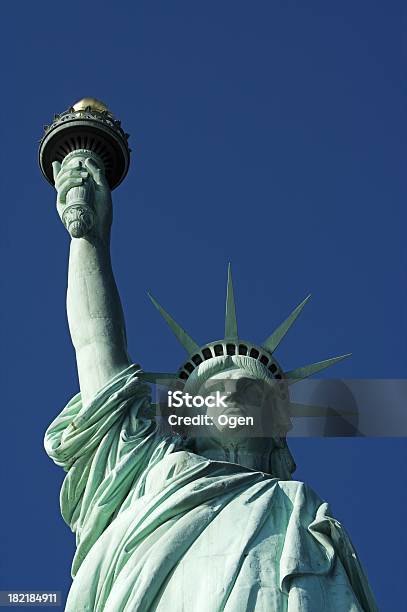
{"points": [[95, 315]]}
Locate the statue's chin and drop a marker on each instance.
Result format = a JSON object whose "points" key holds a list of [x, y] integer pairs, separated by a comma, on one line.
{"points": [[78, 220]]}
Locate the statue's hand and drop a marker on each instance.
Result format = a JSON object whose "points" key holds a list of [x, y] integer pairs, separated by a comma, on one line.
{"points": [[94, 219]]}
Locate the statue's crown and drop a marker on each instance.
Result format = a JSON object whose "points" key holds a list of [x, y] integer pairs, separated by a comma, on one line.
{"points": [[231, 344]]}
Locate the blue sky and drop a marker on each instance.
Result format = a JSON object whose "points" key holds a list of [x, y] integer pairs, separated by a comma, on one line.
{"points": [[270, 134]]}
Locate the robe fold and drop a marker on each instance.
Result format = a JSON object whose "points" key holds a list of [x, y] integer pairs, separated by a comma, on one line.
{"points": [[159, 528]]}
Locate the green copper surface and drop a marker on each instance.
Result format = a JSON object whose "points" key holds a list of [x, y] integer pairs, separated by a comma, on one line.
{"points": [[165, 523], [313, 368], [182, 336], [230, 315], [274, 340]]}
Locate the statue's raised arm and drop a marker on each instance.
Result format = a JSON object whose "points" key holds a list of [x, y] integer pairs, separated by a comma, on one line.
{"points": [[94, 309]]}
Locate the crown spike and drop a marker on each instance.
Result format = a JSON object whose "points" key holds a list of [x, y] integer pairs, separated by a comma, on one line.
{"points": [[230, 316], [313, 368], [276, 337], [185, 339]]}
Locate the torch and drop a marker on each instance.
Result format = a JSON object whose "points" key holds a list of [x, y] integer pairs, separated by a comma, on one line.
{"points": [[86, 130]]}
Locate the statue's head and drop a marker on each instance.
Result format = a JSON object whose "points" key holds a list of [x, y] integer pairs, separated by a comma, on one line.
{"points": [[246, 376], [240, 397]]}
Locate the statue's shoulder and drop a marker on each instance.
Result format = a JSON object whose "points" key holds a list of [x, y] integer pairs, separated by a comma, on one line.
{"points": [[300, 493]]}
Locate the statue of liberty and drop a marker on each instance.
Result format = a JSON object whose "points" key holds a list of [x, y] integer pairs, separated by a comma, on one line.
{"points": [[166, 522]]}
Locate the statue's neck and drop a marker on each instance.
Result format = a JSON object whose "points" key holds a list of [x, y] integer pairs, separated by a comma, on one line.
{"points": [[253, 454]]}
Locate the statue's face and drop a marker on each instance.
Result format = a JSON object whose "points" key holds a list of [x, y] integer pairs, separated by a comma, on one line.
{"points": [[243, 401]]}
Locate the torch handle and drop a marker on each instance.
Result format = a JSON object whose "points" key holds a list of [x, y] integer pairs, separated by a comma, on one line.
{"points": [[79, 215]]}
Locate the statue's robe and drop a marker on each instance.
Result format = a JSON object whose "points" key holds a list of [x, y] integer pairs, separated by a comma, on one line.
{"points": [[159, 528]]}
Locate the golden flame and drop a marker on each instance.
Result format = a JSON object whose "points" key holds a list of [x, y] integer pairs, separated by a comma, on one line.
{"points": [[95, 104]]}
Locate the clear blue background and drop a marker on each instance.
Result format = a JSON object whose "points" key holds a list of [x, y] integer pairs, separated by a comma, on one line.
{"points": [[266, 133]]}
